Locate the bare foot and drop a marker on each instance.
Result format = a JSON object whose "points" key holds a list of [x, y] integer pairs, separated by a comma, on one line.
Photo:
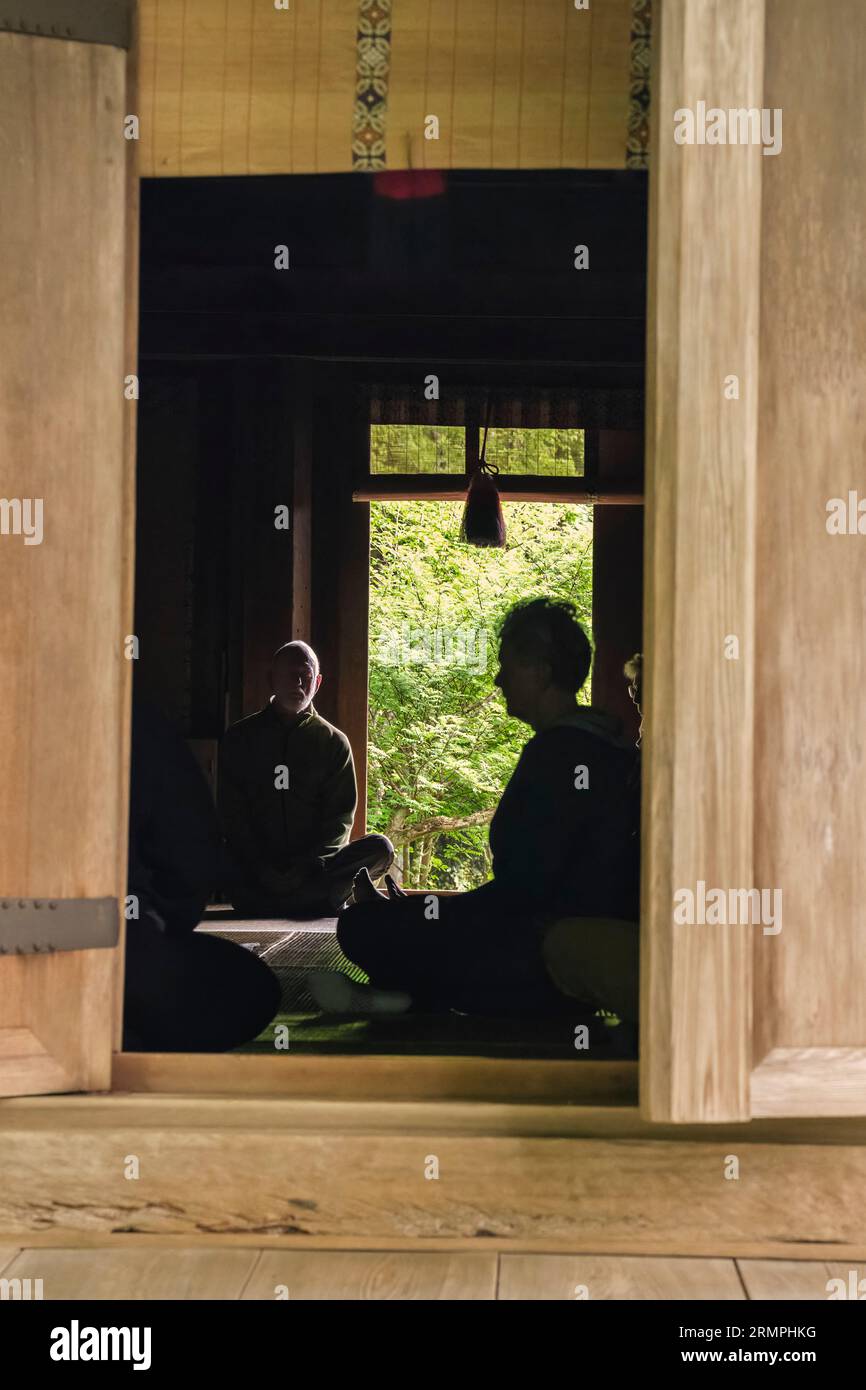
{"points": [[364, 890], [394, 889]]}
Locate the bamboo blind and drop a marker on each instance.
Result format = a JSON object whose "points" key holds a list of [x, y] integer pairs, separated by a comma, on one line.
{"points": [[328, 86]]}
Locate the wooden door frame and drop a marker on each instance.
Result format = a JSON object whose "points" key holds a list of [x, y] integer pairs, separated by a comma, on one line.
{"points": [[697, 1063], [669, 1081]]}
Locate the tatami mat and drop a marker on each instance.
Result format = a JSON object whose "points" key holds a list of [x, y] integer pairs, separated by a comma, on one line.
{"points": [[292, 949]]}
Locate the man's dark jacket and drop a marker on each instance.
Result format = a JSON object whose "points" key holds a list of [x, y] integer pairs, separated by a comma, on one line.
{"points": [[277, 828], [563, 848]]}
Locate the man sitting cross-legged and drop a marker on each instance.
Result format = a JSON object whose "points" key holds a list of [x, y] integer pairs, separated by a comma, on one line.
{"points": [[287, 798]]}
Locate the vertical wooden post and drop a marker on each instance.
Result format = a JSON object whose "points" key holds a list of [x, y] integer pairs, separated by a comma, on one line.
{"points": [[705, 206], [810, 750], [67, 275], [341, 566]]}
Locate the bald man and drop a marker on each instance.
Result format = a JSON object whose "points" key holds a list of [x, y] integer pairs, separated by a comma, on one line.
{"points": [[287, 798]]}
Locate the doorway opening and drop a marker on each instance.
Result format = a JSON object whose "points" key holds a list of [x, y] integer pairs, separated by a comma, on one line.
{"points": [[289, 418]]}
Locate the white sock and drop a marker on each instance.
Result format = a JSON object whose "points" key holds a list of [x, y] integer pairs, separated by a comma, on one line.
{"points": [[337, 994]]}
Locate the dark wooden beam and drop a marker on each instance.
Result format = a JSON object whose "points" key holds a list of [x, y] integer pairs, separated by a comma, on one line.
{"points": [[302, 504], [431, 487], [493, 339]]}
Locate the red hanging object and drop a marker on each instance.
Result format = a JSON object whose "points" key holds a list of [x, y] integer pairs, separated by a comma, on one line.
{"points": [[402, 184], [483, 522]]}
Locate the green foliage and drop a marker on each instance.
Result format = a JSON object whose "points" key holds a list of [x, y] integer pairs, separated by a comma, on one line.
{"points": [[543, 453], [440, 742], [441, 449], [417, 449]]}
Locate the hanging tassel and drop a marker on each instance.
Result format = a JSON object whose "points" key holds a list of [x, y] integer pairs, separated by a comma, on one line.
{"points": [[483, 522]]}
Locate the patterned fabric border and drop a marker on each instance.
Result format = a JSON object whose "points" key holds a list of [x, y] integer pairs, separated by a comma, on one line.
{"points": [[637, 143], [371, 84]]}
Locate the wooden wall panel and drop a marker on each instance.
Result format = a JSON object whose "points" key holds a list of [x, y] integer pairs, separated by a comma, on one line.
{"points": [[161, 135], [243, 88], [65, 438], [576, 94], [699, 572], [545, 34], [168, 462], [810, 740], [404, 142], [302, 500], [276, 86], [204, 36], [505, 102], [608, 83], [471, 106], [437, 94], [262, 482], [239, 87], [515, 85], [213, 572], [232, 150]]}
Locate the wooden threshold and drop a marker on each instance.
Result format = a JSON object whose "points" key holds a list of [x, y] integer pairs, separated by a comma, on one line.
{"points": [[392, 1078], [793, 1081], [420, 1175]]}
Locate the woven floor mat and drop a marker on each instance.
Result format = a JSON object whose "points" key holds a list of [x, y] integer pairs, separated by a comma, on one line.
{"points": [[292, 951]]}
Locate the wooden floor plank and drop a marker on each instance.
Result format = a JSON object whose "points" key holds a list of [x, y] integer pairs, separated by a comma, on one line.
{"points": [[797, 1280], [70, 1239], [577, 1277], [338, 1275], [136, 1274], [334, 1275]]}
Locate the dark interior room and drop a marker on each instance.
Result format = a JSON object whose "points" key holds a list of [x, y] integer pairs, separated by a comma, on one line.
{"points": [[281, 320]]}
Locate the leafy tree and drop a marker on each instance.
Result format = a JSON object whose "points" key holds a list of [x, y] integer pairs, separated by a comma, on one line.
{"points": [[441, 746]]}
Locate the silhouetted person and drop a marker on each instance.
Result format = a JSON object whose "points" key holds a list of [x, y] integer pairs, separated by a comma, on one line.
{"points": [[563, 841], [185, 991], [598, 961], [287, 798]]}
